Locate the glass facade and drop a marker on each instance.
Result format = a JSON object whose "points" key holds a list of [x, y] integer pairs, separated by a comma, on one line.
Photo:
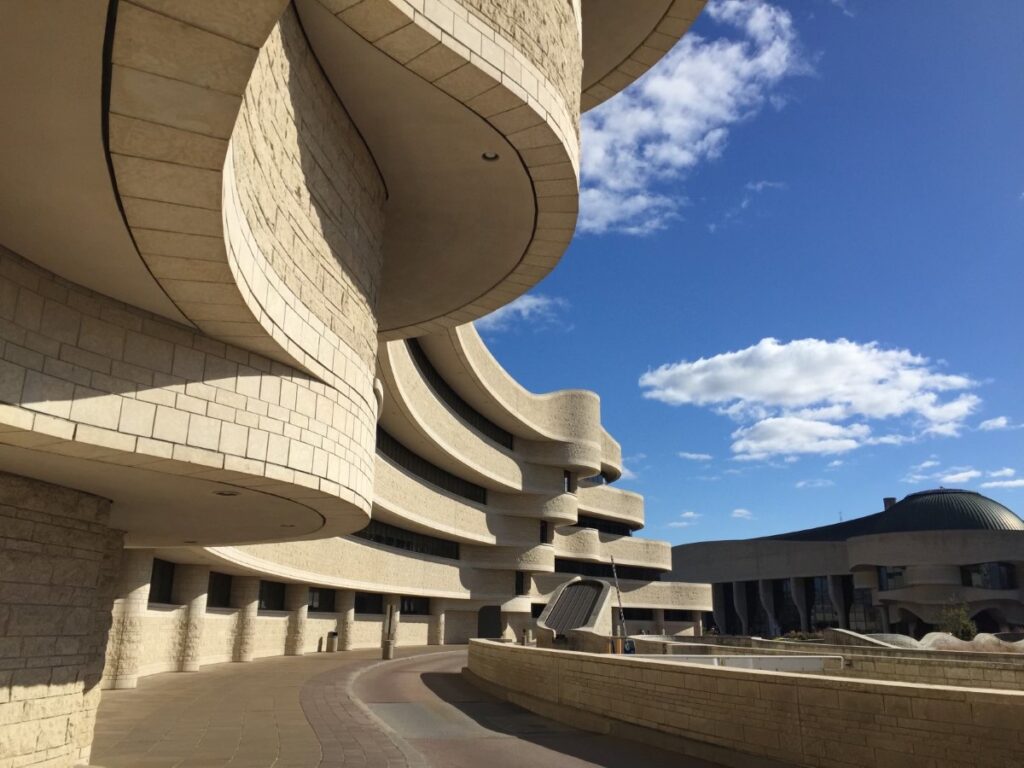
{"points": [[393, 536], [786, 610], [822, 614], [604, 570], [605, 526], [390, 448], [891, 577], [864, 617], [989, 576]]}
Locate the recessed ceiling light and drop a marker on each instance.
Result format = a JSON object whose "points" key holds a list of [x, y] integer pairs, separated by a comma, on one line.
{"points": [[225, 493], [490, 157], [287, 525]]}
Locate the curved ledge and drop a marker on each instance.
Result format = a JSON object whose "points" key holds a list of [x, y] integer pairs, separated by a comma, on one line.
{"points": [[612, 504], [596, 547], [441, 58], [535, 558], [640, 594], [621, 41]]}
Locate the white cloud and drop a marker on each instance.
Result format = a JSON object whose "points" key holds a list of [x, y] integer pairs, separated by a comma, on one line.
{"points": [[835, 463], [1004, 472], [960, 475], [686, 519], [999, 422], [632, 460], [679, 115], [530, 308], [926, 464], [695, 456], [811, 396], [815, 483], [761, 186], [627, 473], [1018, 483], [742, 514]]}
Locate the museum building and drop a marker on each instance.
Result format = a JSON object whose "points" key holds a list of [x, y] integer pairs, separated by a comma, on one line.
{"points": [[243, 408], [897, 570]]}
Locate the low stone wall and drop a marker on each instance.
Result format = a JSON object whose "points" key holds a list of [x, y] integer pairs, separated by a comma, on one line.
{"points": [[736, 716]]}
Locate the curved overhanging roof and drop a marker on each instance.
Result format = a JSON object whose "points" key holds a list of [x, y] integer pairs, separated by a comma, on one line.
{"points": [[622, 40]]}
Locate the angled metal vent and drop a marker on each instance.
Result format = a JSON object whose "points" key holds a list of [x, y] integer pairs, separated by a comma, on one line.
{"points": [[574, 606]]}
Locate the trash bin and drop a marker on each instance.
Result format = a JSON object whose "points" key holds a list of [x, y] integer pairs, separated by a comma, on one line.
{"points": [[332, 642]]}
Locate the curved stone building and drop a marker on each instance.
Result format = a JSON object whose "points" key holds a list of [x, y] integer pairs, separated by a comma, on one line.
{"points": [[242, 404], [897, 570]]}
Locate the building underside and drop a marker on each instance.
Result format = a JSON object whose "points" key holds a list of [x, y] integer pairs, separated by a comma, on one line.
{"points": [[243, 408]]}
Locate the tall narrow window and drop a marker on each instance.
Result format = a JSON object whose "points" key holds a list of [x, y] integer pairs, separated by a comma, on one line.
{"points": [[271, 596], [520, 583], [218, 591], [161, 582], [321, 599]]}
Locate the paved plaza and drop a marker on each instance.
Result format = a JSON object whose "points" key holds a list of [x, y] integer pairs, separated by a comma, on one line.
{"points": [[346, 709]]}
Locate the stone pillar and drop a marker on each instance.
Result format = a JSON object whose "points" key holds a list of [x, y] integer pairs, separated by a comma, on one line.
{"points": [[739, 600], [396, 601], [883, 614], [346, 607], [698, 623], [838, 598], [131, 597], [245, 596], [798, 588], [659, 621], [719, 608], [435, 632], [191, 583], [296, 602], [59, 561]]}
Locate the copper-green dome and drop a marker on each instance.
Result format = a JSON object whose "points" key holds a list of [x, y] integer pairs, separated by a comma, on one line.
{"points": [[943, 509]]}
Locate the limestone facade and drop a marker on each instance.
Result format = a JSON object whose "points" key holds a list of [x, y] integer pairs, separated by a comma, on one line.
{"points": [[301, 430]]}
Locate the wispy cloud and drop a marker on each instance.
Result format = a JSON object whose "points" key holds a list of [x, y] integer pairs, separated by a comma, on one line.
{"points": [[1004, 472], [835, 463], [997, 424], [814, 483], [1018, 483], [532, 309], [961, 475], [686, 519], [735, 214], [680, 114], [631, 465], [812, 396], [742, 514], [695, 456]]}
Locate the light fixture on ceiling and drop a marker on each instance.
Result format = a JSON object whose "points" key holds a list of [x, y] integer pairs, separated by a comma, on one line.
{"points": [[225, 493], [287, 525], [490, 157]]}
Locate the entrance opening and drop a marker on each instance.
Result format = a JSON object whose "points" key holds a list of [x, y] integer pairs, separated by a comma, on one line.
{"points": [[488, 622]]}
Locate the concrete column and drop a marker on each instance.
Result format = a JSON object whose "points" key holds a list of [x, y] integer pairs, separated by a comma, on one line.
{"points": [[766, 594], [883, 613], [798, 588], [346, 607], [245, 596], [191, 583], [296, 602], [739, 600], [124, 642], [435, 633], [59, 562], [719, 608], [659, 621], [698, 623], [838, 598], [396, 602]]}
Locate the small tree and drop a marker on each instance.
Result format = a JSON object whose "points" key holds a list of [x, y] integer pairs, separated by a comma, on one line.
{"points": [[957, 622]]}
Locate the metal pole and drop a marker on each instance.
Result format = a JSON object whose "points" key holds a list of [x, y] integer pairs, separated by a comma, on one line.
{"points": [[618, 594]]}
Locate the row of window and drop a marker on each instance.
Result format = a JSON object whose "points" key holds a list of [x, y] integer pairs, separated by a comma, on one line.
{"points": [[400, 538], [390, 448], [604, 526], [451, 398], [982, 575], [272, 594], [604, 570]]}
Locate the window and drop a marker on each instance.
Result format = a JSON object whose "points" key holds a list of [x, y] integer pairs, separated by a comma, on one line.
{"points": [[823, 613], [369, 602], [786, 610], [271, 596], [444, 391], [544, 532], [520, 583], [675, 614], [321, 599], [536, 609], [567, 482], [989, 576], [604, 570], [161, 582], [638, 614], [393, 536], [890, 577], [218, 591], [864, 617], [604, 526], [414, 606], [390, 448]]}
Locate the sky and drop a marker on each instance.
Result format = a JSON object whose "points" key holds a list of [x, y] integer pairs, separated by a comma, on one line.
{"points": [[797, 271]]}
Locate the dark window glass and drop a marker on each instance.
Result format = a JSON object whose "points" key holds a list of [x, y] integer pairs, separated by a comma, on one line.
{"points": [[393, 536], [520, 583], [544, 532], [638, 614], [864, 617], [823, 613], [604, 570], [890, 577], [369, 602], [271, 596], [567, 484], [321, 599], [218, 592], [443, 390], [536, 609], [675, 614], [161, 582], [989, 576], [390, 448], [760, 625], [604, 526], [786, 610], [415, 606]]}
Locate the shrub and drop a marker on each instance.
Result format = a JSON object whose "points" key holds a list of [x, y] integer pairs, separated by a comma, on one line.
{"points": [[957, 622]]}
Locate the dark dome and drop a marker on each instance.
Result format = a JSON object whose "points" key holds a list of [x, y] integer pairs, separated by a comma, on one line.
{"points": [[947, 509], [944, 509]]}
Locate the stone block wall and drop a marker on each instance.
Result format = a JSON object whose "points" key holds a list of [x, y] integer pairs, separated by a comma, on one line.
{"points": [[58, 562], [797, 719]]}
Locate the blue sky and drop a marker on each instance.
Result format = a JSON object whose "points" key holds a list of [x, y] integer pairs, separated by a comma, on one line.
{"points": [[796, 279]]}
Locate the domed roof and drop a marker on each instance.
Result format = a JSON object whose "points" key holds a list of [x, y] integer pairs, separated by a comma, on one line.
{"points": [[947, 509], [943, 509]]}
